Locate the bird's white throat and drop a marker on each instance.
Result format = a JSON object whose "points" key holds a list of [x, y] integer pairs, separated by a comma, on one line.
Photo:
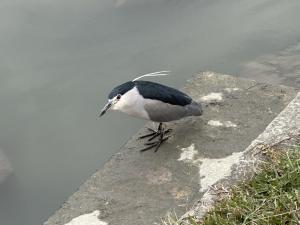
{"points": [[132, 103]]}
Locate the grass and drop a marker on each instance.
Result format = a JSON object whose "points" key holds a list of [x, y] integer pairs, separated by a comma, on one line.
{"points": [[271, 197]]}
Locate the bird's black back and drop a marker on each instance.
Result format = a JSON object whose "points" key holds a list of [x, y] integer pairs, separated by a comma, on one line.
{"points": [[151, 90]]}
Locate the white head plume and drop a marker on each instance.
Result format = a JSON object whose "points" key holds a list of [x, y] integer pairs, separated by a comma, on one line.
{"points": [[155, 74]]}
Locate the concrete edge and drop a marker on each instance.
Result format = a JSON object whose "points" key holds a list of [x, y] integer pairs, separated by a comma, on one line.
{"points": [[284, 128], [82, 204]]}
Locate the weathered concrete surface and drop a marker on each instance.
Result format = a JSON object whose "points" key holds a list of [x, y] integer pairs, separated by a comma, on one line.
{"points": [[283, 130], [136, 188]]}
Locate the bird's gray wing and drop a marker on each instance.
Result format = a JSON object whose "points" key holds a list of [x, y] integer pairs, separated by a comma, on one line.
{"points": [[164, 112], [159, 111]]}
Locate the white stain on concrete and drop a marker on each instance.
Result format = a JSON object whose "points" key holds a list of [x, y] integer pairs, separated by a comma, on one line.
{"points": [[229, 90], [210, 170], [213, 170], [87, 219], [212, 97], [217, 123], [188, 154], [229, 124], [209, 74]]}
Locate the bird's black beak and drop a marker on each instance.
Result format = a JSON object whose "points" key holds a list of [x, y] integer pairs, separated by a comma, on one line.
{"points": [[105, 108]]}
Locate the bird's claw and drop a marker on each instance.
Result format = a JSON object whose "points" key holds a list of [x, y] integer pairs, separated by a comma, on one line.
{"points": [[148, 135], [151, 130], [154, 134], [162, 133], [155, 145]]}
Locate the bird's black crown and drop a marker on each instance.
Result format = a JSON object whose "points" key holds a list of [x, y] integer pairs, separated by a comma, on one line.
{"points": [[121, 89]]}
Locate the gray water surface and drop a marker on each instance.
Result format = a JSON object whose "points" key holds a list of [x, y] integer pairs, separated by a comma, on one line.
{"points": [[59, 59]]}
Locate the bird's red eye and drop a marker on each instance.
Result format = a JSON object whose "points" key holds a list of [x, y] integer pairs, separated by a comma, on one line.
{"points": [[118, 97]]}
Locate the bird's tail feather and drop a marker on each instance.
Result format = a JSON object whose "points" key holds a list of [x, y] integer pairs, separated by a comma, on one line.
{"points": [[194, 109]]}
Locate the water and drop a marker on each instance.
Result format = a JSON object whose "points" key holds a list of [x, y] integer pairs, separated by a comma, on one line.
{"points": [[59, 59]]}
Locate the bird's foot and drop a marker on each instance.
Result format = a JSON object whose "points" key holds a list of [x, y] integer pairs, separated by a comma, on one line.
{"points": [[155, 144], [161, 132], [152, 133], [155, 134]]}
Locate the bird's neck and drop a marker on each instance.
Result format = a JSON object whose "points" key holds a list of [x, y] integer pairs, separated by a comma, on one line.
{"points": [[132, 103]]}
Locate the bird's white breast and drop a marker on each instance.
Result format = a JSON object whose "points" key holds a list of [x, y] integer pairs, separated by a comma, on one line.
{"points": [[132, 103]]}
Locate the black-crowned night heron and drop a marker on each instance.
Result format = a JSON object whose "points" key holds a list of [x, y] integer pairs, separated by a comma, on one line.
{"points": [[154, 102]]}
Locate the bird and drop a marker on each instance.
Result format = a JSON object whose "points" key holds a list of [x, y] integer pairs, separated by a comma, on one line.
{"points": [[152, 101]]}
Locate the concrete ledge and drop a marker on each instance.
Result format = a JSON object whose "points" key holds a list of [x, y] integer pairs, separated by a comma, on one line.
{"points": [[136, 188], [284, 129]]}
